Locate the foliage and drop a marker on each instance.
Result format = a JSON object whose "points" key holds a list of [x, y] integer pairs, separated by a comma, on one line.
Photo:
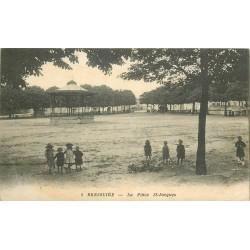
{"points": [[203, 67], [105, 96], [36, 98], [18, 64], [189, 69], [11, 100], [15, 100]]}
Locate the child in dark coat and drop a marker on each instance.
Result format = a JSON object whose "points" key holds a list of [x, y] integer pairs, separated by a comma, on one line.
{"points": [[240, 145], [180, 152], [78, 158], [165, 152], [147, 150], [59, 159]]}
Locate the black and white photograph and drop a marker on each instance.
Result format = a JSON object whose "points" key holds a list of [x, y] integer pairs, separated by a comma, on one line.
{"points": [[124, 124]]}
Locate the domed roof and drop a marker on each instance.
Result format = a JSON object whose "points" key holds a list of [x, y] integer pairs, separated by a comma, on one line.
{"points": [[71, 83]]}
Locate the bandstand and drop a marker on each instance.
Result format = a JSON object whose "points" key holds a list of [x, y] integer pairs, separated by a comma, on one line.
{"points": [[68, 105]]}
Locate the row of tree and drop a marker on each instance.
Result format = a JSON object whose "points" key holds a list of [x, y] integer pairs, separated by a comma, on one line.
{"points": [[105, 96], [205, 68], [14, 100], [183, 93]]}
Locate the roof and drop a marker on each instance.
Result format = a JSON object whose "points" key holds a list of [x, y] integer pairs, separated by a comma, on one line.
{"points": [[72, 88]]}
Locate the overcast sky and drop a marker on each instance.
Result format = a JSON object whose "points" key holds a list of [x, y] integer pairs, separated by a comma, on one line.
{"points": [[82, 74]]}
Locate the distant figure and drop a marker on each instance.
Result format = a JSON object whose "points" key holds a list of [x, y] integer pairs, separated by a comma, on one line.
{"points": [[59, 159], [180, 152], [165, 152], [147, 149], [49, 155], [69, 155], [240, 145], [78, 158]]}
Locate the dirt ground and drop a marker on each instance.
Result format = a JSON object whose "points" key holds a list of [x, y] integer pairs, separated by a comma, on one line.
{"points": [[113, 142]]}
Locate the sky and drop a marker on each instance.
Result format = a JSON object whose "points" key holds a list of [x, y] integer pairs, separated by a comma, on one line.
{"points": [[82, 74]]}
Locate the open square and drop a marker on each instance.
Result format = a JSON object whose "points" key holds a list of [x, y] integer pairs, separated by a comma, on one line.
{"points": [[113, 142]]}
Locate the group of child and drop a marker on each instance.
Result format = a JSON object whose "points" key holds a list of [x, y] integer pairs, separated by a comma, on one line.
{"points": [[165, 152], [240, 154], [69, 157]]}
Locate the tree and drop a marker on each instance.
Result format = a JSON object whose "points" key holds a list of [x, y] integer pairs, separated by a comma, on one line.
{"points": [[204, 66], [11, 100], [52, 89], [144, 99], [237, 91], [127, 98], [36, 98], [18, 64], [103, 96], [208, 67], [117, 98]]}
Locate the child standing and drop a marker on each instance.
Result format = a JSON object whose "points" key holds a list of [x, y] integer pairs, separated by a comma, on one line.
{"points": [[69, 155], [165, 152], [180, 152], [49, 155], [59, 159], [78, 158], [240, 145], [147, 150]]}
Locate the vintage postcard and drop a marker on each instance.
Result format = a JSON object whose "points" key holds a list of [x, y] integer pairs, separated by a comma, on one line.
{"points": [[124, 124]]}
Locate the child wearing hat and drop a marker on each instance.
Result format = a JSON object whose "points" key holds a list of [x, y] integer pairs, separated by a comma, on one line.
{"points": [[180, 152], [59, 159], [240, 145], [78, 158], [69, 155], [49, 155]]}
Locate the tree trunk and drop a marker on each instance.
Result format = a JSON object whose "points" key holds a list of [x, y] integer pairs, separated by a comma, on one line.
{"points": [[201, 168], [193, 109], [225, 109]]}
